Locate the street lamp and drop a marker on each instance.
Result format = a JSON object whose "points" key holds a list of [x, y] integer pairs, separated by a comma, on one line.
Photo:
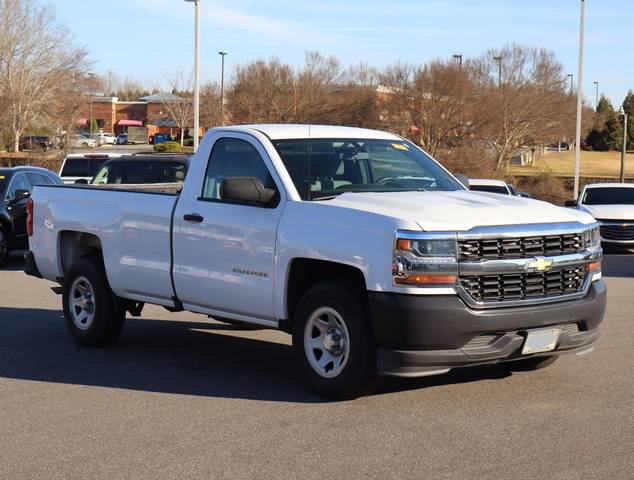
{"points": [[596, 98], [499, 60], [222, 88], [196, 71], [458, 57], [623, 115], [572, 78], [90, 76], [579, 98]]}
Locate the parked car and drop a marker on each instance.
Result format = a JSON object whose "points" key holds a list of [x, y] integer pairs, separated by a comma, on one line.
{"points": [[122, 139], [96, 137], [108, 138], [374, 258], [16, 185], [612, 204], [142, 169], [81, 141], [36, 142], [489, 186], [81, 168]]}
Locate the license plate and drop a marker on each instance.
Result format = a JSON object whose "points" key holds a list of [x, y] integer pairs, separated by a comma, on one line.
{"points": [[541, 341]]}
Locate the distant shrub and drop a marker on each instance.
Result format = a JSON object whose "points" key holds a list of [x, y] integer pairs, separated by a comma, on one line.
{"points": [[168, 147]]}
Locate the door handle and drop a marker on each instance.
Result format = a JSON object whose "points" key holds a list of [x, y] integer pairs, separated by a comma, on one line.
{"points": [[193, 217]]}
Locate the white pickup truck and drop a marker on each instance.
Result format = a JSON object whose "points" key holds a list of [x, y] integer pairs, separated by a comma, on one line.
{"points": [[374, 257]]}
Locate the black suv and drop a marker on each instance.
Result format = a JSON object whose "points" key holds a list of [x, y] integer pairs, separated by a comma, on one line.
{"points": [[16, 185], [36, 142]]}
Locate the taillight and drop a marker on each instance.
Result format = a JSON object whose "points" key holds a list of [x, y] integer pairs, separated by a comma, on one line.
{"points": [[29, 217]]}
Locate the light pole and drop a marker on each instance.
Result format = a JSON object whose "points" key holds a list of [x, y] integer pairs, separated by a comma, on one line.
{"points": [[90, 76], [222, 88], [196, 71], [458, 57], [572, 78], [596, 97], [499, 60], [579, 98], [623, 115]]}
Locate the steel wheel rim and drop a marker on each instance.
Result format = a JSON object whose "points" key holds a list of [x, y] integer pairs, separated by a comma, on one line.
{"points": [[326, 342], [82, 303]]}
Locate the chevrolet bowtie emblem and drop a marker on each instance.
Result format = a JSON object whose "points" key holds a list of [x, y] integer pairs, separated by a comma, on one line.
{"points": [[540, 264]]}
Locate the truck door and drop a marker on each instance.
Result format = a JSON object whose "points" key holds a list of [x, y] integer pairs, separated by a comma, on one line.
{"points": [[224, 252], [17, 208]]}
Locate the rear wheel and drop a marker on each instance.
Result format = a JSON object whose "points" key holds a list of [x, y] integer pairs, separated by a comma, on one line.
{"points": [[94, 315], [84, 145], [529, 364], [333, 342], [4, 247]]}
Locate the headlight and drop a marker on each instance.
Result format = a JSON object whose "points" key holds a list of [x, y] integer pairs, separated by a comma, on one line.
{"points": [[592, 239], [425, 260]]}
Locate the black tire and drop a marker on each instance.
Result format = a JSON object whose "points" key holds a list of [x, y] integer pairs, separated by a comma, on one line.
{"points": [[530, 364], [84, 145], [358, 376], [108, 311], [4, 246]]}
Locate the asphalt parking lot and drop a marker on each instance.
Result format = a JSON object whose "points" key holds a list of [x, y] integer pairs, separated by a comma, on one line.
{"points": [[180, 396]]}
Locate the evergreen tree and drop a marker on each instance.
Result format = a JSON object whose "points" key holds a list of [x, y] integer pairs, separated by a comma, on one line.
{"points": [[628, 106], [606, 130]]}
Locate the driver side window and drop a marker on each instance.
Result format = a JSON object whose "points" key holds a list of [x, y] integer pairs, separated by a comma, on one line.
{"points": [[233, 157], [20, 182]]}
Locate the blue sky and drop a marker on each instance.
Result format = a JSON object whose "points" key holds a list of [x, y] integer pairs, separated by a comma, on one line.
{"points": [[143, 38]]}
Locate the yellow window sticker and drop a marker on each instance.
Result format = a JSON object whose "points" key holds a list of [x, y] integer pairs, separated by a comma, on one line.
{"points": [[400, 146]]}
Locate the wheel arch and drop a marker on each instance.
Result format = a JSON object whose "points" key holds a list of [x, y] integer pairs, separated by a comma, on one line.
{"points": [[73, 245], [304, 273]]}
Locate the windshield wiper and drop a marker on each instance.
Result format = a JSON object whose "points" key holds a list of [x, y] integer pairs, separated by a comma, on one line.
{"points": [[326, 197]]}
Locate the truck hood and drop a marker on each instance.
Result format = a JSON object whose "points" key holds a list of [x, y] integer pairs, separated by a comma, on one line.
{"points": [[461, 210], [609, 212]]}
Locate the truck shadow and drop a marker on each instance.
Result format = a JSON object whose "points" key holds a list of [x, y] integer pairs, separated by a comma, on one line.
{"points": [[189, 358], [15, 263]]}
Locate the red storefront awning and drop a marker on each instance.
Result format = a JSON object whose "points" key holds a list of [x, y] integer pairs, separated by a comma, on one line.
{"points": [[130, 123]]}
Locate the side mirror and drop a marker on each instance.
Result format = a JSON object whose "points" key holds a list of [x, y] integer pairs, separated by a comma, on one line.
{"points": [[462, 179], [523, 195], [81, 181], [21, 195], [571, 203], [247, 190]]}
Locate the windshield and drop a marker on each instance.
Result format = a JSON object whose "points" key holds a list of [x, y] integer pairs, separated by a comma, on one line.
{"points": [[324, 168], [129, 172], [81, 167], [609, 196], [489, 189]]}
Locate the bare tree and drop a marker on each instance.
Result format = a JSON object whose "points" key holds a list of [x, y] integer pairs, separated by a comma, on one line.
{"points": [[210, 105], [526, 88], [36, 57], [178, 100]]}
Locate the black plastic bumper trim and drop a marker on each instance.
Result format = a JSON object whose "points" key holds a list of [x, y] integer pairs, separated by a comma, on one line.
{"points": [[30, 267]]}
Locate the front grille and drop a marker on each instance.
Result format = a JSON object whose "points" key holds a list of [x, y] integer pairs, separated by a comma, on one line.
{"points": [[521, 247], [622, 231], [522, 286]]}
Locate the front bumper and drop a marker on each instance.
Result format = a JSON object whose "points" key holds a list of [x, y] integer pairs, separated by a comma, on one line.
{"points": [[421, 335]]}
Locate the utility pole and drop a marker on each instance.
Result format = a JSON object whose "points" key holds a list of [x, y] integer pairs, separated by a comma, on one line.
{"points": [[596, 96], [623, 115], [572, 78], [579, 99], [90, 76], [222, 88]]}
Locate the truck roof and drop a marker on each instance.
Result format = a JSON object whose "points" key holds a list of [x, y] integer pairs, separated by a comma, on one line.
{"points": [[610, 185], [279, 132]]}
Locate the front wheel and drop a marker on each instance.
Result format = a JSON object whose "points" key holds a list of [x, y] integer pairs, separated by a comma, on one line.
{"points": [[333, 342], [94, 315], [529, 364]]}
